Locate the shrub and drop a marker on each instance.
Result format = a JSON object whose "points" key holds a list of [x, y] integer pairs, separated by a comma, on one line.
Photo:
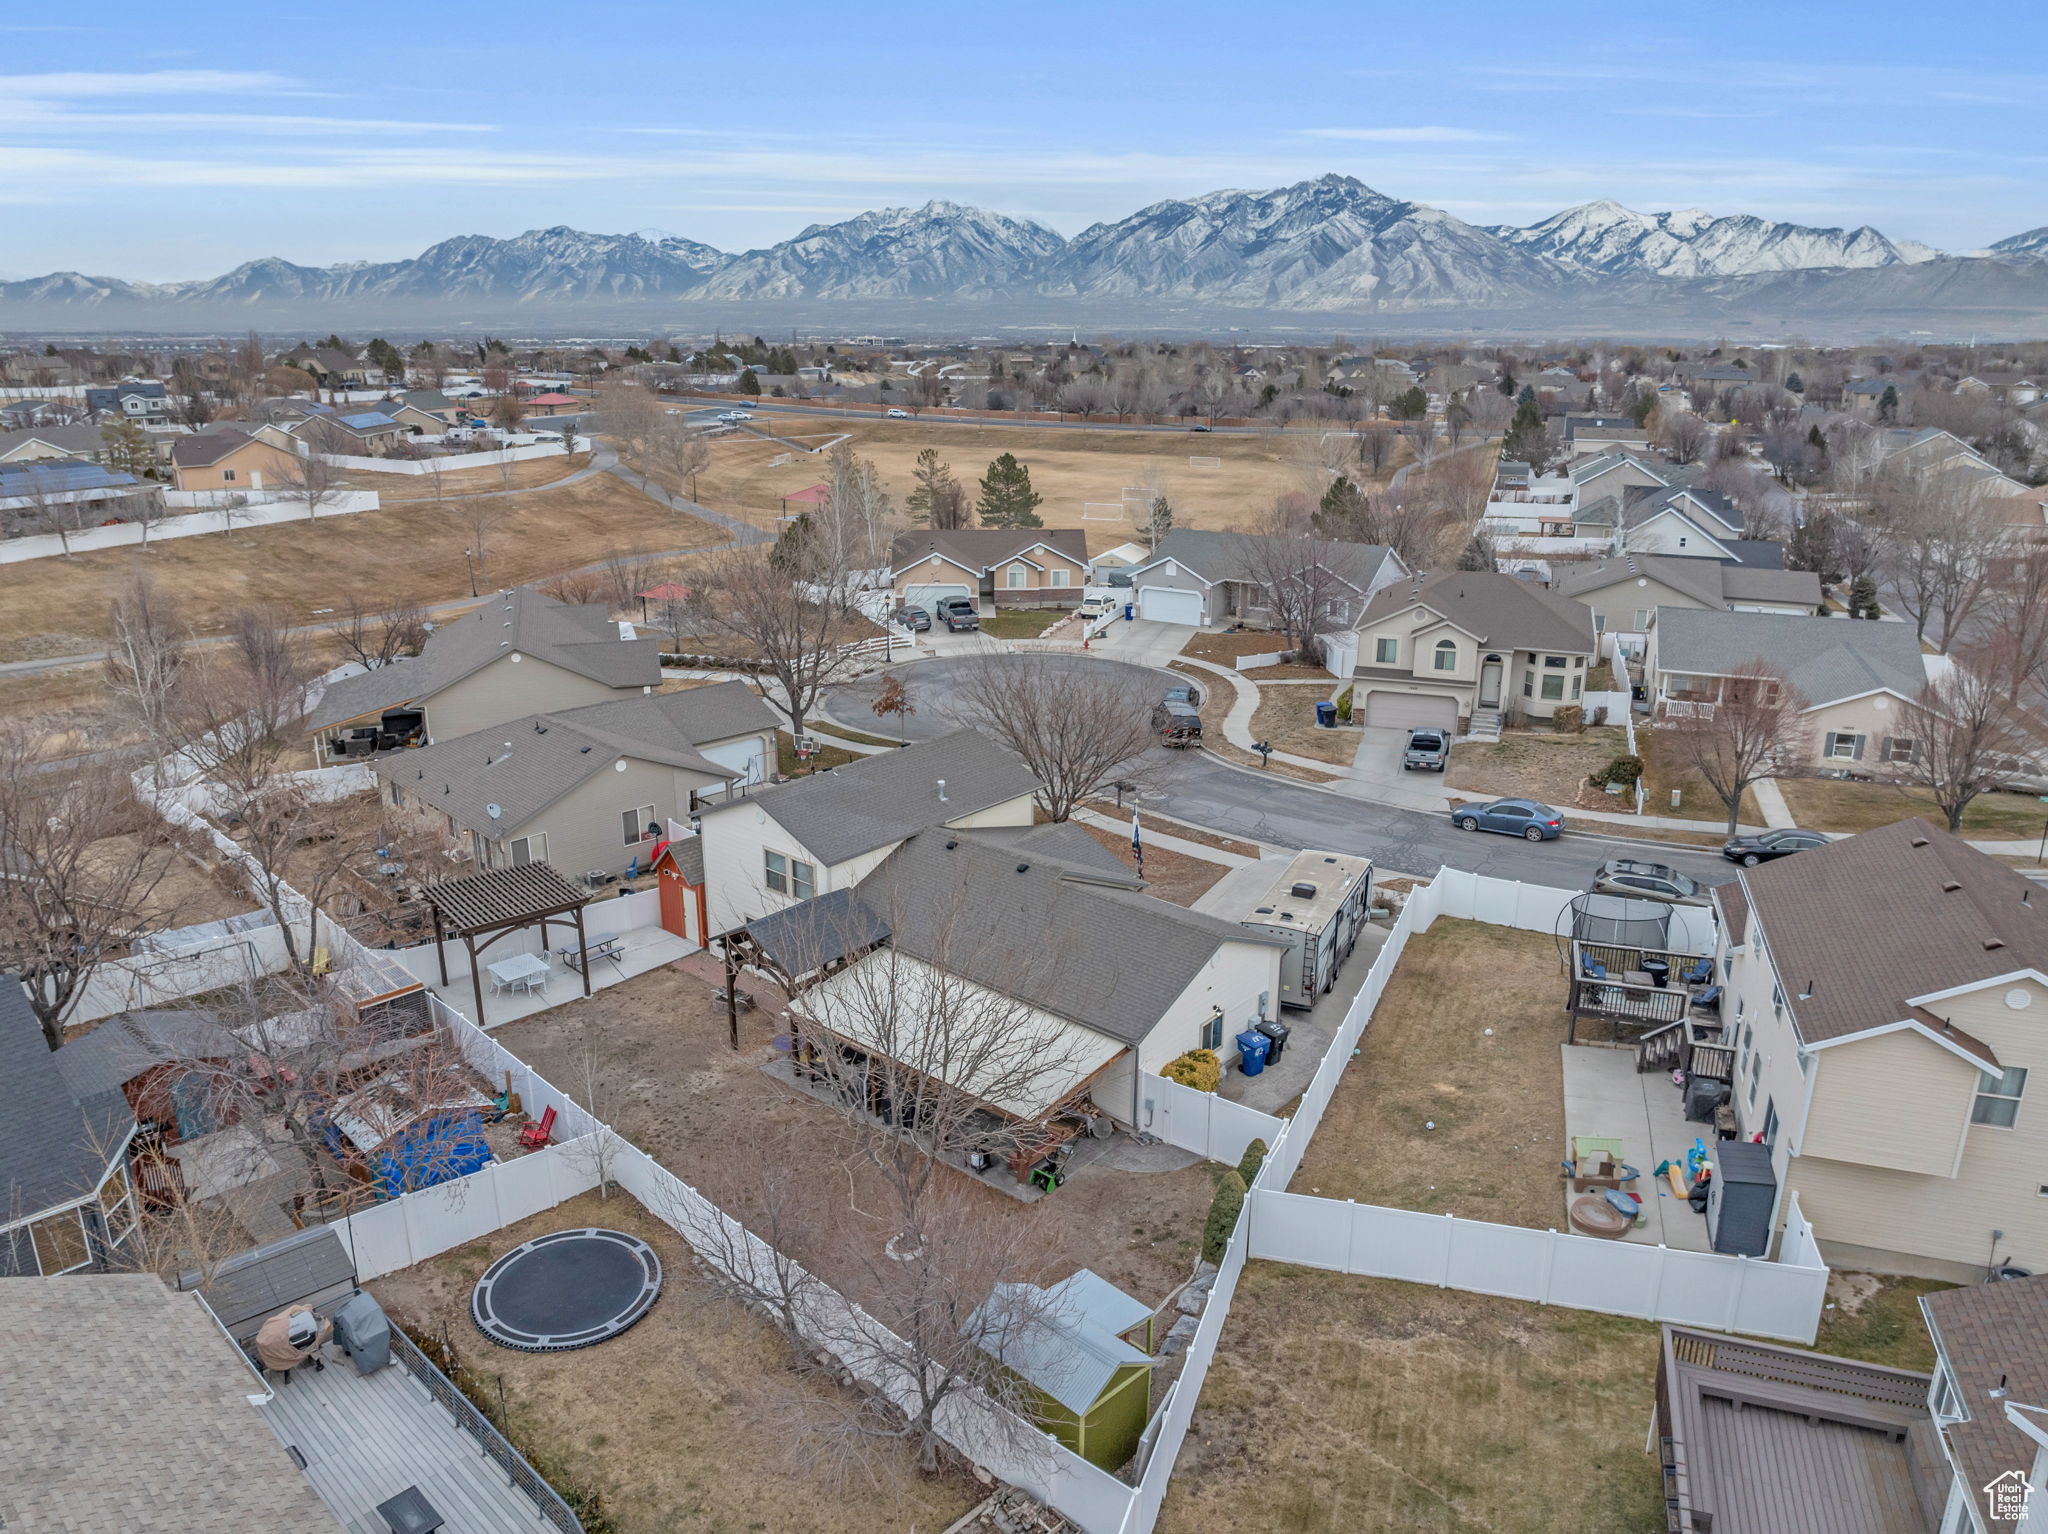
{"points": [[1198, 1068], [1254, 1157], [1344, 705], [1569, 719], [1625, 770], [1223, 1212]]}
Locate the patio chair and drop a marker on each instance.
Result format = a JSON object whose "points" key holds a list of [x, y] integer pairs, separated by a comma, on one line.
{"points": [[1591, 968], [1699, 974], [537, 1134]]}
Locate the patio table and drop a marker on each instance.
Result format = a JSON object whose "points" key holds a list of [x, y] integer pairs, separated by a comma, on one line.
{"points": [[520, 972]]}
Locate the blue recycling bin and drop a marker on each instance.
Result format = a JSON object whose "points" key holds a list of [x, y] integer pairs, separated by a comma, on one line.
{"points": [[1130, 610], [1326, 715], [1252, 1046]]}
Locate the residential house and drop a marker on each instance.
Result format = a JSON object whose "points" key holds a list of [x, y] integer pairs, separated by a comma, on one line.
{"points": [[431, 402], [85, 492], [1625, 591], [1881, 993], [228, 459], [1436, 651], [1208, 578], [417, 422], [591, 789], [1990, 1402], [520, 651], [1685, 520], [1616, 473], [66, 1200], [1864, 396], [139, 401], [360, 433], [1930, 452], [1071, 1343], [1604, 434], [149, 1425], [827, 831], [555, 402], [1117, 559], [17, 413], [1855, 676], [81, 443], [1523, 503], [990, 566]]}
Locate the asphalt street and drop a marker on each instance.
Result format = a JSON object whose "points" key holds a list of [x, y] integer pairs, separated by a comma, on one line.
{"points": [[1201, 789]]}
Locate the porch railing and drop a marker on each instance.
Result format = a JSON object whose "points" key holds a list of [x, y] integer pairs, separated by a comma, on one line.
{"points": [[1623, 1002]]}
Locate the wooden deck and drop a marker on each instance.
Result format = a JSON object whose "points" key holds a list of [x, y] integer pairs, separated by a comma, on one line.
{"points": [[365, 1438]]}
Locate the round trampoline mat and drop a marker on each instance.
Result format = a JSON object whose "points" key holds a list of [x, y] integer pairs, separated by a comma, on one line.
{"points": [[567, 1289]]}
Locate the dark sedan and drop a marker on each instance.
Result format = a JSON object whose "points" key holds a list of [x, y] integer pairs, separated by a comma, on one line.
{"points": [[1511, 817], [1752, 850]]}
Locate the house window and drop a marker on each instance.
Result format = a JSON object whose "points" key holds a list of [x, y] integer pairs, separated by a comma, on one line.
{"points": [[1578, 685], [1446, 655], [227, 475], [1212, 1031], [1556, 662], [530, 849], [1059, 577], [1900, 748], [1642, 619], [1528, 684], [1553, 687], [1016, 574], [1998, 1097], [1385, 651], [639, 825], [1846, 748], [791, 876], [1599, 623]]}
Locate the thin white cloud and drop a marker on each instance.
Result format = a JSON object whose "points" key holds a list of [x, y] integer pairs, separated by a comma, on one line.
{"points": [[72, 85], [1422, 135], [43, 118]]}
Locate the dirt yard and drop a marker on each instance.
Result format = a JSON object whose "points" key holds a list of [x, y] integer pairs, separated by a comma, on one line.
{"points": [[529, 474], [1466, 1039], [682, 1422], [1070, 468], [1344, 1405], [672, 1086], [1174, 876]]}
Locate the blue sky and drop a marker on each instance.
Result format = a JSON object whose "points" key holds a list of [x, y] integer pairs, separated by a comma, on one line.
{"points": [[171, 141]]}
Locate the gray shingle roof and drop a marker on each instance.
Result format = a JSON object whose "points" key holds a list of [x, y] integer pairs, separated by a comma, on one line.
{"points": [[882, 799], [1825, 659], [126, 1408], [1216, 556], [1993, 1337], [981, 548], [123, 1047], [1503, 612], [74, 439], [1707, 581], [202, 448], [580, 638], [526, 764]]}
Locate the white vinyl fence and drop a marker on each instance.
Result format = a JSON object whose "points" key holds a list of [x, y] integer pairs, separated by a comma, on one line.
{"points": [[1203, 1122], [402, 1231], [180, 524], [449, 462], [160, 978]]}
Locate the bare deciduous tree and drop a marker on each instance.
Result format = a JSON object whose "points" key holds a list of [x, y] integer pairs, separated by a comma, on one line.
{"points": [[1306, 586], [1964, 734], [1754, 732], [2017, 606], [1681, 434], [804, 641], [376, 636], [1941, 540], [146, 637], [1079, 731]]}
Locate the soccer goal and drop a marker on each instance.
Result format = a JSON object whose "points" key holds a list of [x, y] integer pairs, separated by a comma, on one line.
{"points": [[1138, 495], [1205, 463], [1105, 511]]}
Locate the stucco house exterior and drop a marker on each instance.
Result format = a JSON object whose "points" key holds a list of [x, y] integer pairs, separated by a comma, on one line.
{"points": [[1884, 996], [990, 566], [592, 789], [1439, 649], [1855, 676], [519, 653], [1205, 578], [1625, 592], [229, 459]]}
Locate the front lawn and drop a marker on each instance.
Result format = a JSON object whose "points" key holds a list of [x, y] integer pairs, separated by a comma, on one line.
{"points": [[1663, 771], [1224, 649], [1835, 804], [1345, 1405], [1467, 1038], [1286, 717], [1020, 622], [1537, 764]]}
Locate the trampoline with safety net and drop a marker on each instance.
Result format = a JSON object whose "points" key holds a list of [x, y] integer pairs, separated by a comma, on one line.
{"points": [[568, 1289]]}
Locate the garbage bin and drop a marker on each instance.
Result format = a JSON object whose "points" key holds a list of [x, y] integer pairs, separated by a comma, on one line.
{"points": [[1252, 1047], [1130, 611], [1276, 1032], [1326, 715], [1659, 971]]}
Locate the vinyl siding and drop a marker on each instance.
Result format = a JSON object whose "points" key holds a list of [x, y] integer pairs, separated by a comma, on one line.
{"points": [[509, 689], [583, 827], [1873, 718], [1233, 980], [1618, 604], [1898, 1101]]}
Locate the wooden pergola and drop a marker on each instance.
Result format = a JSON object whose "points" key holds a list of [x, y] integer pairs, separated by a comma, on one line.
{"points": [[502, 900]]}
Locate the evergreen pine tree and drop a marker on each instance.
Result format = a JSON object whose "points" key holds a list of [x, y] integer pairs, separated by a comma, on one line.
{"points": [[1007, 499], [1338, 513], [748, 383], [1161, 520], [1888, 404], [128, 448], [1527, 441], [1794, 384], [938, 500]]}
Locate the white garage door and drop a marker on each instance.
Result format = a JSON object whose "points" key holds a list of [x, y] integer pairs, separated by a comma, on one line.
{"points": [[928, 597], [1410, 711], [1170, 604], [745, 756]]}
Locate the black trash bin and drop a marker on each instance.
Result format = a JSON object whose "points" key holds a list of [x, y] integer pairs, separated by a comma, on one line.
{"points": [[1326, 715], [1659, 971], [1277, 1031]]}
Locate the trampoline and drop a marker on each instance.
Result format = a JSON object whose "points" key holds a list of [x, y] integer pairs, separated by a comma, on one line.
{"points": [[565, 1290]]}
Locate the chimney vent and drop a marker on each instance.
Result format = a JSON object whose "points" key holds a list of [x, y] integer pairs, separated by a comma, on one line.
{"points": [[1950, 886], [942, 791]]}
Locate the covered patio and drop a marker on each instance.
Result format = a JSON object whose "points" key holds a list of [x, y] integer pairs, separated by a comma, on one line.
{"points": [[494, 905]]}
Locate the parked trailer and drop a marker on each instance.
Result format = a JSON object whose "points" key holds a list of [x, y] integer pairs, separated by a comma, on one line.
{"points": [[1318, 905]]}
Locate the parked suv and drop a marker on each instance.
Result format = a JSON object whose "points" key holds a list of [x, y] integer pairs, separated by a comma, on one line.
{"points": [[1178, 723], [1428, 749], [911, 617], [1648, 881], [1185, 692], [957, 613]]}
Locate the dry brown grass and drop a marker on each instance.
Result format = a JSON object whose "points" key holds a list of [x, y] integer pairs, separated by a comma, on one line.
{"points": [[677, 1423], [1345, 1405], [1663, 771], [1832, 804], [529, 474], [1286, 718], [1226, 648], [1536, 764], [1175, 876], [402, 553], [1216, 700], [1496, 1099]]}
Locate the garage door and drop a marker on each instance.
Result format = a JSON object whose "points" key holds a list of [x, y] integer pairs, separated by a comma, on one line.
{"points": [[742, 756], [1170, 604], [928, 597], [1410, 710]]}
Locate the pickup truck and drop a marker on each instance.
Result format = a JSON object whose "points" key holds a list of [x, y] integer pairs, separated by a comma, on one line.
{"points": [[957, 613], [1429, 749]]}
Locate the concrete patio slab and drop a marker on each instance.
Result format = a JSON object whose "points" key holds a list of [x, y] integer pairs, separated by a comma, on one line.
{"points": [[1606, 1098], [640, 950]]}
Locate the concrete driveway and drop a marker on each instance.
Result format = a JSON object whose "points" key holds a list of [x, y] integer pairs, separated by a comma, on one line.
{"points": [[1378, 766], [1143, 642]]}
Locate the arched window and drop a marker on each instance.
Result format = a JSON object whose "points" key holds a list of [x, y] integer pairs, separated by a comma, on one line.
{"points": [[1446, 655]]}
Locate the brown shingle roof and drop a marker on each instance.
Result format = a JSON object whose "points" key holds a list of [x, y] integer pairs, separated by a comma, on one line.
{"points": [[1833, 919], [1992, 1336], [981, 548]]}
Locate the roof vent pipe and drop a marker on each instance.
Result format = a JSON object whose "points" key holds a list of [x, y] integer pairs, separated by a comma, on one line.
{"points": [[942, 791]]}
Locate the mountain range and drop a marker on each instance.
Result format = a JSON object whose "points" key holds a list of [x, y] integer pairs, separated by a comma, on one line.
{"points": [[1331, 246]]}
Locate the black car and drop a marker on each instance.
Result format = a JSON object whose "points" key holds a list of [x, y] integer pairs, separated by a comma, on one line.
{"points": [[916, 619], [1752, 850]]}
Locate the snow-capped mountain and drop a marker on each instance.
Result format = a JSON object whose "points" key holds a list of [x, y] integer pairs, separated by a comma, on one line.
{"points": [[1331, 243], [2033, 243], [1608, 238], [939, 250]]}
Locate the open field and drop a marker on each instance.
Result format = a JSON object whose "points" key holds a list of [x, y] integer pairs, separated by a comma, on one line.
{"points": [[676, 1424], [402, 553], [1069, 468], [1496, 1099], [1833, 804], [1344, 1405]]}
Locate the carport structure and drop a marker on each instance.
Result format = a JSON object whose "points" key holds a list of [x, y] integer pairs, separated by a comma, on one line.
{"points": [[500, 901]]}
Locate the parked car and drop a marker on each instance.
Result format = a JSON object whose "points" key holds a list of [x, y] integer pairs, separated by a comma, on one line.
{"points": [[957, 613], [1427, 749], [1097, 604], [1525, 818], [736, 415], [897, 413], [1647, 881], [1185, 692], [1201, 428], [1761, 848], [910, 617], [1178, 723]]}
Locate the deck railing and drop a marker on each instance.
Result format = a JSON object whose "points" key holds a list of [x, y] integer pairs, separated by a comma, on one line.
{"points": [[489, 1439], [1629, 1003]]}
